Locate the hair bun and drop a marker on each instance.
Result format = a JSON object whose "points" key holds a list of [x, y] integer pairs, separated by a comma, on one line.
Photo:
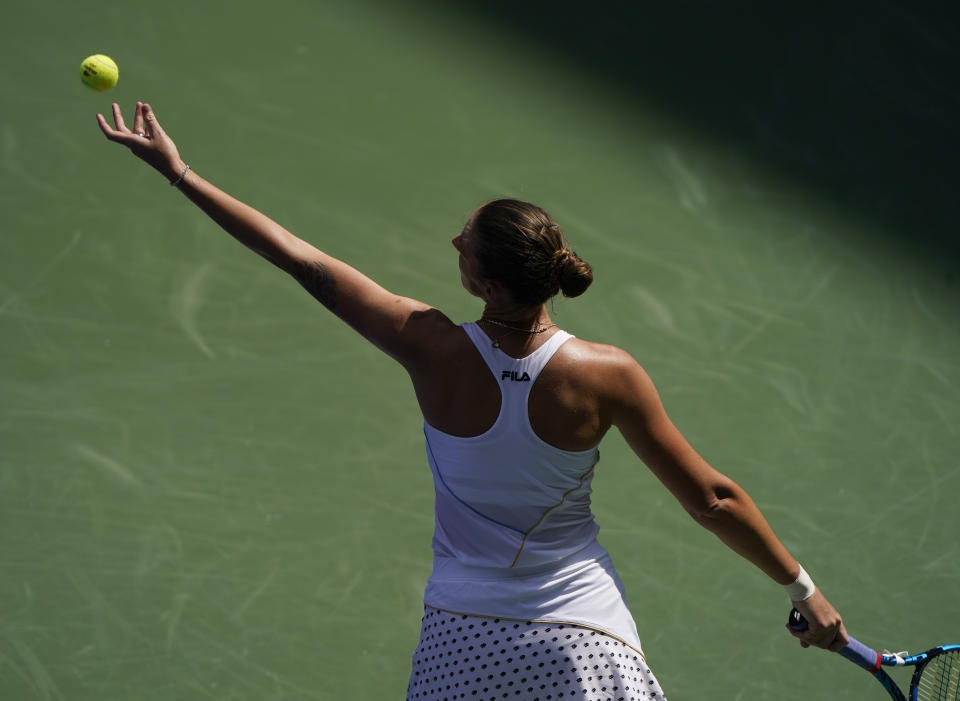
{"points": [[574, 275], [518, 245]]}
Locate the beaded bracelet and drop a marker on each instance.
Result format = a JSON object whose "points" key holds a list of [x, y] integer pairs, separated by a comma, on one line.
{"points": [[180, 179]]}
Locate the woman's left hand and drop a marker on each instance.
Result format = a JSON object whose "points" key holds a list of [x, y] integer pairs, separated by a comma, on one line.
{"points": [[148, 141]]}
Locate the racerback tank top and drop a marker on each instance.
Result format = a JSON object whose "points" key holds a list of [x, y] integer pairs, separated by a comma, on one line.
{"points": [[514, 535], [506, 498]]}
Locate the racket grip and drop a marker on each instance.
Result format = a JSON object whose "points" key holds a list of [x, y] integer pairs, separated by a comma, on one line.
{"points": [[855, 651], [861, 655]]}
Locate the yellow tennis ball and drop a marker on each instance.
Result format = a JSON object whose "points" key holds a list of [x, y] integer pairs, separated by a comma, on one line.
{"points": [[99, 72]]}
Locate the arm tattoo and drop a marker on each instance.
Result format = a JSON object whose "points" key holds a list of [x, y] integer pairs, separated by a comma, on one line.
{"points": [[317, 279]]}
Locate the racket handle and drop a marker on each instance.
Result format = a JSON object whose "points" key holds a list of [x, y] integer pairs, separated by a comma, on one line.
{"points": [[855, 651]]}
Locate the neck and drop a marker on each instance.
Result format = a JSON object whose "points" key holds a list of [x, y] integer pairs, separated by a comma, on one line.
{"points": [[514, 315], [518, 327]]}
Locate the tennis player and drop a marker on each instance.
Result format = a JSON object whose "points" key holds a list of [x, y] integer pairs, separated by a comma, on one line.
{"points": [[522, 601]]}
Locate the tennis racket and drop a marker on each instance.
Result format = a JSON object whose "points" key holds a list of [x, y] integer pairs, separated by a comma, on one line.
{"points": [[936, 677]]}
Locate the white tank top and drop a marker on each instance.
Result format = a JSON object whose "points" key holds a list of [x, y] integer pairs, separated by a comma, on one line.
{"points": [[514, 536]]}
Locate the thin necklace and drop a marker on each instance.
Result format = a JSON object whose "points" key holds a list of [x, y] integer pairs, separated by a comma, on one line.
{"points": [[513, 329]]}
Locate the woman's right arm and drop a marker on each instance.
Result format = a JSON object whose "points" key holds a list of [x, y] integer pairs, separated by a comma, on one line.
{"points": [[397, 325], [714, 500]]}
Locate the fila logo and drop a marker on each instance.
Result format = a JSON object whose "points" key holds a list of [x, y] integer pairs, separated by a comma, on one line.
{"points": [[512, 375]]}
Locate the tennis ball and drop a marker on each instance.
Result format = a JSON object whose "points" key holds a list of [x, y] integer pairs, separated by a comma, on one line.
{"points": [[99, 72]]}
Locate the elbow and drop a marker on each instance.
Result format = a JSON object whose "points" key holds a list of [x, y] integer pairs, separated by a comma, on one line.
{"points": [[714, 508], [709, 513]]}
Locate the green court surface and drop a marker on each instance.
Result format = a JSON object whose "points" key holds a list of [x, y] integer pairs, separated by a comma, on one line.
{"points": [[212, 489]]}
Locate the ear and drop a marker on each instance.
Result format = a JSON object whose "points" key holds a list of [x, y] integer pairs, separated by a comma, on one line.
{"points": [[492, 291]]}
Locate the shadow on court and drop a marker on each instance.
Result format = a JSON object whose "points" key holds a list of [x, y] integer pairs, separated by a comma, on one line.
{"points": [[857, 99]]}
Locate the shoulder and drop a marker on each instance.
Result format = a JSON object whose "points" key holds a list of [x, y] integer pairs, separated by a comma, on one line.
{"points": [[601, 358], [608, 372], [432, 336], [425, 321]]}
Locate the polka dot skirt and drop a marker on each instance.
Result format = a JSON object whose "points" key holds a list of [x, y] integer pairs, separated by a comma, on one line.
{"points": [[477, 658]]}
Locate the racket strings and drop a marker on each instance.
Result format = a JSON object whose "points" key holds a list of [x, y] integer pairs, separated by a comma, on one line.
{"points": [[940, 678]]}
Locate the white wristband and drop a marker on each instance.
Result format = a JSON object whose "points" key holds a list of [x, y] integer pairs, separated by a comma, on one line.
{"points": [[802, 589]]}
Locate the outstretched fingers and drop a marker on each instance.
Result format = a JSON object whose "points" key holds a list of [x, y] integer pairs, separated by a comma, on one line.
{"points": [[138, 120], [120, 133], [150, 119], [112, 134], [118, 119]]}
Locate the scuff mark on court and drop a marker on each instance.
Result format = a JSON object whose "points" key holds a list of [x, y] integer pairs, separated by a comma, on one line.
{"points": [[44, 271], [108, 464], [692, 195], [186, 304]]}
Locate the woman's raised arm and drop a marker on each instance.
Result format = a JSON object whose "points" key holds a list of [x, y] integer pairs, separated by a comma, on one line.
{"points": [[397, 325]]}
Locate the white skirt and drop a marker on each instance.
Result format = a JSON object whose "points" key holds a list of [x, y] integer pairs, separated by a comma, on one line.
{"points": [[476, 657]]}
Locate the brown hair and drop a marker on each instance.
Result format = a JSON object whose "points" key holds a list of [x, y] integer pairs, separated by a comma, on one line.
{"points": [[520, 246]]}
